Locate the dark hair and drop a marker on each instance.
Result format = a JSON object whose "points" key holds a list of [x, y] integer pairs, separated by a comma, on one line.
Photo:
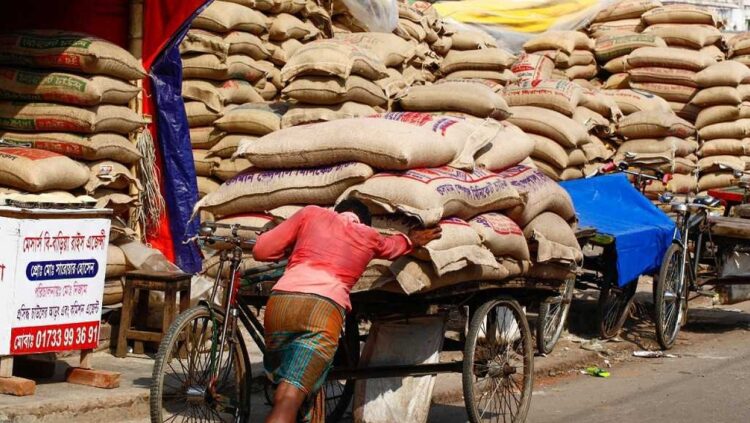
{"points": [[357, 207]]}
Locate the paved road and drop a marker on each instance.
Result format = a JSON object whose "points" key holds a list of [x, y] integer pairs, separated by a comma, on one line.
{"points": [[708, 382]]}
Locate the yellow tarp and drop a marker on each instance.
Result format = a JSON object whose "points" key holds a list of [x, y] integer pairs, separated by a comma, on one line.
{"points": [[518, 15]]}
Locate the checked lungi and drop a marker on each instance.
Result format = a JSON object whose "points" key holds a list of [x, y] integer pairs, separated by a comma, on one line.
{"points": [[302, 335]]}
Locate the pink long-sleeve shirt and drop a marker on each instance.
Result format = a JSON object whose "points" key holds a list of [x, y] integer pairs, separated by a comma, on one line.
{"points": [[331, 251]]}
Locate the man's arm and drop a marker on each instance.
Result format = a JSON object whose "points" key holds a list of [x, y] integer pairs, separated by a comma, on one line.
{"points": [[272, 245], [395, 246]]}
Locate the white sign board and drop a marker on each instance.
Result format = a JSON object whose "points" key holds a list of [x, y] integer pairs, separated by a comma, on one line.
{"points": [[51, 283]]}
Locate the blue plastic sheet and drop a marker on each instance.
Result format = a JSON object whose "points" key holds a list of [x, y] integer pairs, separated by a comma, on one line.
{"points": [[614, 207]]}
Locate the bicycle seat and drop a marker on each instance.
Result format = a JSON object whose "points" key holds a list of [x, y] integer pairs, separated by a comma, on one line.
{"points": [[707, 201]]}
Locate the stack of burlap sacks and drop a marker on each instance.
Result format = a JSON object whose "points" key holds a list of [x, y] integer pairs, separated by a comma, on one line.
{"points": [[65, 123], [570, 51], [414, 169]]}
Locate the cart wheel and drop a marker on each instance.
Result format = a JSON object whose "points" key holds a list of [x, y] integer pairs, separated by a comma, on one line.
{"points": [[553, 313], [614, 305], [498, 363], [339, 393], [671, 290]]}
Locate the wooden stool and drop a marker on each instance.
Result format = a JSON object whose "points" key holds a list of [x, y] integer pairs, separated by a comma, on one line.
{"points": [[141, 283]]}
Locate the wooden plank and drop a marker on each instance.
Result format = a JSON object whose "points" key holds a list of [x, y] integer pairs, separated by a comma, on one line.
{"points": [[6, 366], [86, 356], [142, 335]]}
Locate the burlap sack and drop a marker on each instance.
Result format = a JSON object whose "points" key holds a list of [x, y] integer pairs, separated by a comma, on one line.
{"points": [[686, 36], [333, 58], [433, 141], [583, 72], [558, 174], [495, 59], [652, 124], [110, 175], [533, 66], [724, 146], [588, 85], [49, 117], [504, 77], [552, 240], [475, 99], [686, 111], [229, 168], [665, 57], [204, 66], [597, 150], [203, 91], [578, 58], [113, 291], [592, 121], [630, 101], [626, 9], [432, 194], [269, 92], [206, 186], [251, 119], [204, 164], [617, 81], [471, 39], [116, 264], [507, 149], [245, 68], [279, 6], [69, 51], [92, 147], [418, 276], [550, 124], [682, 77], [567, 41], [744, 91], [198, 41], [716, 96], [739, 45], [616, 65], [286, 26], [237, 91], [714, 52], [617, 45], [719, 114], [301, 114], [669, 92], [33, 170], [727, 73], [669, 146], [501, 236], [222, 17], [549, 151], [541, 194], [680, 14], [560, 96], [621, 26], [391, 49], [204, 137], [58, 87], [198, 114], [227, 146], [248, 44], [711, 163], [682, 184], [716, 180], [260, 190], [594, 100], [410, 31], [326, 90]]}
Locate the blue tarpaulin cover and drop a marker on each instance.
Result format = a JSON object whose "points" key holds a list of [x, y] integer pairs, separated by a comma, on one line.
{"points": [[614, 207]]}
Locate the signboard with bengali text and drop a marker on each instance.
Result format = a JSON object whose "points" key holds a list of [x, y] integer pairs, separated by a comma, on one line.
{"points": [[51, 283]]}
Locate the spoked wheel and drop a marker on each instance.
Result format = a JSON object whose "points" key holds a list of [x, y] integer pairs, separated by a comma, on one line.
{"points": [[339, 393], [614, 305], [671, 291], [498, 363], [553, 313], [184, 387]]}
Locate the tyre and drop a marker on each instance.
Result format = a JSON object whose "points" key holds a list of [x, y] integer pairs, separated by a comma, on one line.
{"points": [[613, 308], [183, 388], [670, 303], [498, 365], [339, 393], [553, 313]]}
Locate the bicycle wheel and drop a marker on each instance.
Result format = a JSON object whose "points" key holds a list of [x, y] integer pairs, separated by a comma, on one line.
{"points": [[183, 388], [671, 292], [553, 313], [613, 307], [498, 365]]}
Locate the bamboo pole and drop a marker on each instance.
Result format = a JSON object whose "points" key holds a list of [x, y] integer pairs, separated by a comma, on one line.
{"points": [[135, 46]]}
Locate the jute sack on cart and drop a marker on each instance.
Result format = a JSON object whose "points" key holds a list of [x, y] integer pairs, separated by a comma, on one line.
{"points": [[533, 66], [222, 17], [326, 90], [625, 9], [566, 41], [717, 96], [198, 41], [669, 58], [206, 186], [678, 147], [669, 92], [116, 264], [652, 124], [59, 87], [552, 240], [556, 126], [541, 193], [391, 49], [737, 130], [393, 141], [252, 119], [238, 91], [501, 235], [285, 26], [631, 101], [71, 51], [715, 180], [198, 114], [496, 59], [204, 137], [715, 163], [228, 145], [725, 146], [32, 170], [558, 174], [415, 275], [593, 121], [722, 113], [551, 152], [110, 175], [684, 77], [685, 36], [682, 184], [229, 168], [509, 148], [203, 91], [241, 42], [680, 13], [256, 190], [595, 101], [624, 26], [432, 194], [558, 95], [617, 45], [204, 164], [475, 99], [301, 114], [333, 58], [83, 147], [48, 117]]}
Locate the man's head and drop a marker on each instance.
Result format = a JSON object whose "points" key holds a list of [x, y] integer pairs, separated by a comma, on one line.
{"points": [[357, 207]]}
